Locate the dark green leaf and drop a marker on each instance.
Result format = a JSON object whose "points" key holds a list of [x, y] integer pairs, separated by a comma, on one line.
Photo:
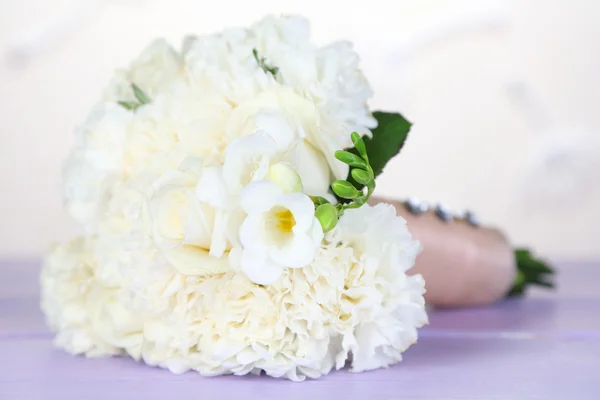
{"points": [[530, 271], [387, 141]]}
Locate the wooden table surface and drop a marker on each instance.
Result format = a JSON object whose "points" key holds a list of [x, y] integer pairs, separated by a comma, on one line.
{"points": [[545, 346]]}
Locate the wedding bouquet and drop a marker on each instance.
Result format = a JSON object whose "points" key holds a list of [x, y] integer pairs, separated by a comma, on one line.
{"points": [[223, 192]]}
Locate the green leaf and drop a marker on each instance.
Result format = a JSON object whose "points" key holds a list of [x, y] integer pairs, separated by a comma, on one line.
{"points": [[351, 159], [387, 141], [130, 105], [345, 189], [262, 63], [361, 176], [530, 271], [140, 95]]}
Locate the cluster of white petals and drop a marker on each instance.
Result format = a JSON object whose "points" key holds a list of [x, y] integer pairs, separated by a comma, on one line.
{"points": [[201, 249]]}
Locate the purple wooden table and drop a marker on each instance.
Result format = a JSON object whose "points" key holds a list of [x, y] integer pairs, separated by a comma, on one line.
{"points": [[546, 346]]}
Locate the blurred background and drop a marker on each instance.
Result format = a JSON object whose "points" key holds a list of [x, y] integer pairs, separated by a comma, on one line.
{"points": [[503, 95]]}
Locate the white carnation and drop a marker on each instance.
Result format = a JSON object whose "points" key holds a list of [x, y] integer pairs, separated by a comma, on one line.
{"points": [[81, 310], [352, 302], [389, 303]]}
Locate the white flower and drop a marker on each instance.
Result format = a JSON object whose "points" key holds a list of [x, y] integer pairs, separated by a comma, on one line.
{"points": [[76, 303], [348, 303], [192, 235], [290, 120], [202, 251], [95, 165], [157, 67], [251, 158], [248, 159], [279, 232], [388, 304]]}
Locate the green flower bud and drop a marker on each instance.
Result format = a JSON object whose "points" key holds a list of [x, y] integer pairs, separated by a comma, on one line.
{"points": [[359, 144], [361, 176], [345, 189], [351, 159], [318, 200], [327, 216]]}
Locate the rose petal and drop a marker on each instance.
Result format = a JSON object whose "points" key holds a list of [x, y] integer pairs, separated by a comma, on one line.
{"points": [[211, 188], [194, 261]]}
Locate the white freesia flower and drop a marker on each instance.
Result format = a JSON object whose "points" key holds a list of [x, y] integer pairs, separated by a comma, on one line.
{"points": [[280, 231], [248, 159]]}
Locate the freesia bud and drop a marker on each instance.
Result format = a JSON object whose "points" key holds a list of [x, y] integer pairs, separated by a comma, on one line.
{"points": [[286, 176], [344, 189], [327, 216]]}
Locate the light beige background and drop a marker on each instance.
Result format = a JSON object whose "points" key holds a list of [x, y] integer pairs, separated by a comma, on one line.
{"points": [[447, 65]]}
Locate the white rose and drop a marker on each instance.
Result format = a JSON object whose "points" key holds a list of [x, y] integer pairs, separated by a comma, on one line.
{"points": [[191, 234], [280, 231]]}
